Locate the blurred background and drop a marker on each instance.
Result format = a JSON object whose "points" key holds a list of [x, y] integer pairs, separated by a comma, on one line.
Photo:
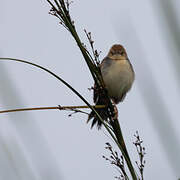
{"points": [[50, 145]]}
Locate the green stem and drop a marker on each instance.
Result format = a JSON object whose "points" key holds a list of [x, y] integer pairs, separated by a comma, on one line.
{"points": [[68, 23], [118, 139], [98, 80], [69, 86], [121, 144]]}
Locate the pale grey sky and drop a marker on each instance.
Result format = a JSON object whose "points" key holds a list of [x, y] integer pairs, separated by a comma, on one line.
{"points": [[29, 32]]}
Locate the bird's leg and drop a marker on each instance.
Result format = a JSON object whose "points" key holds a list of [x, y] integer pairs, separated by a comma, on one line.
{"points": [[115, 111]]}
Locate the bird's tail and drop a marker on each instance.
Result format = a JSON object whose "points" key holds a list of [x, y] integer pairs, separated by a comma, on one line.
{"points": [[95, 121], [100, 98]]}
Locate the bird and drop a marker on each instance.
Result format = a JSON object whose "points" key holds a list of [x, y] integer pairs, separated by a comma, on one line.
{"points": [[118, 76]]}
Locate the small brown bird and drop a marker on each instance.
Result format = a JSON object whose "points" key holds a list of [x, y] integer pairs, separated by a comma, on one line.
{"points": [[118, 76], [117, 73]]}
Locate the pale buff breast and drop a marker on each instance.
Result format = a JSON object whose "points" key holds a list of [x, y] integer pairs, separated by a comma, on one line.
{"points": [[118, 77]]}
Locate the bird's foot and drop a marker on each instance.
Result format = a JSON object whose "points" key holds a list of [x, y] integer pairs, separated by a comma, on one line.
{"points": [[115, 111]]}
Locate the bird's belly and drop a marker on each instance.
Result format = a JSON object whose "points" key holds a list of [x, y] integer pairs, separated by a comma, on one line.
{"points": [[118, 79]]}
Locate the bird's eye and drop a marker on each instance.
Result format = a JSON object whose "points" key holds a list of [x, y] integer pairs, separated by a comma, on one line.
{"points": [[112, 53], [122, 53]]}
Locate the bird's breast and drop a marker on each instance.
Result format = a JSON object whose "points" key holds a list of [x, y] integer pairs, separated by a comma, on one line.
{"points": [[118, 77]]}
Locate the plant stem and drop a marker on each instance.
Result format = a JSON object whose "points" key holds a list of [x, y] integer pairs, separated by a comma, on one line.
{"points": [[48, 108], [70, 87]]}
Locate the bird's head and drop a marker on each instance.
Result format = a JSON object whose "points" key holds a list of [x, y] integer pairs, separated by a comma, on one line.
{"points": [[117, 52]]}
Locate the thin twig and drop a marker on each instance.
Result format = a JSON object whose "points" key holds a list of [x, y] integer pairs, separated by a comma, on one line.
{"points": [[94, 51], [141, 152], [114, 159], [55, 107]]}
